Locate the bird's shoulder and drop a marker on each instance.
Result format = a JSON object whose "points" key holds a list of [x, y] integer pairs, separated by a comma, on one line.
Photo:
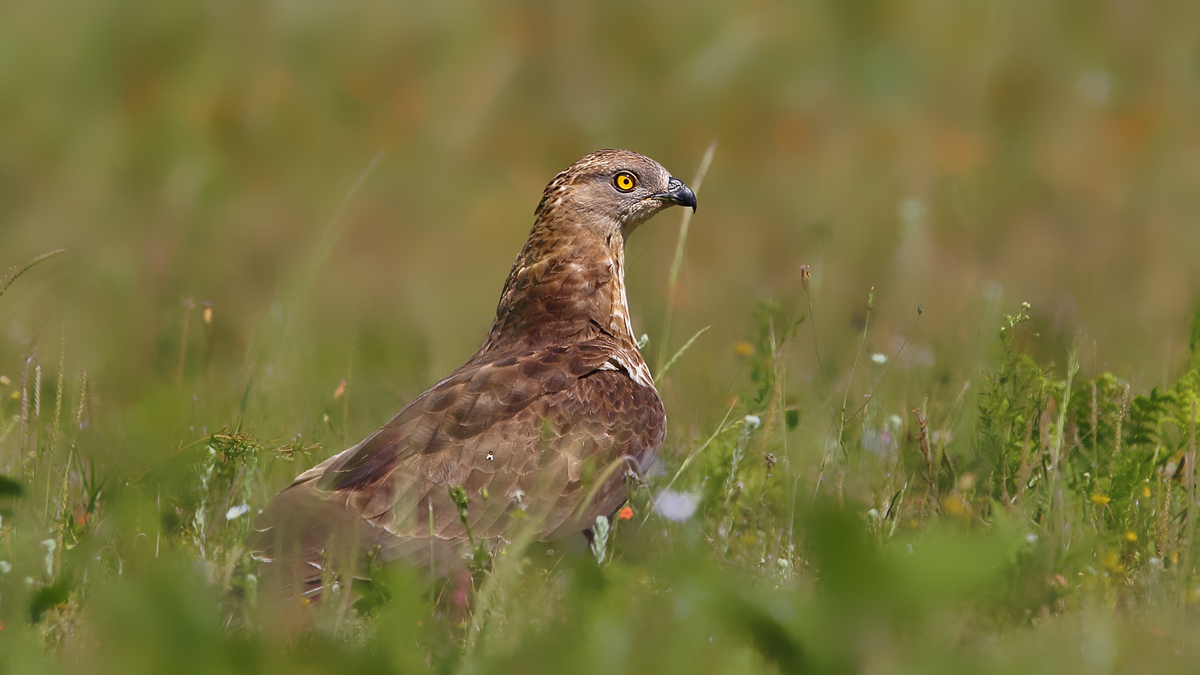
{"points": [[505, 398]]}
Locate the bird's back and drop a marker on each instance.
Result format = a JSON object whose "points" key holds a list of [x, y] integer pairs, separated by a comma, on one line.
{"points": [[539, 440]]}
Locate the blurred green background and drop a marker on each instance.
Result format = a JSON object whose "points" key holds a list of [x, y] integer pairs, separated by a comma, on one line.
{"points": [[199, 150], [345, 185]]}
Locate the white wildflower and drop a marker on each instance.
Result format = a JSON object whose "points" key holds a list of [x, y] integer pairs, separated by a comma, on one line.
{"points": [[676, 506]]}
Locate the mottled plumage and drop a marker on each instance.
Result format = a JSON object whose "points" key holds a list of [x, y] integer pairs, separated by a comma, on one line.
{"points": [[545, 420]]}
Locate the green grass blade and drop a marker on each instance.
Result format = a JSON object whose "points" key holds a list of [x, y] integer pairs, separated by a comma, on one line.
{"points": [[679, 353], [677, 263], [22, 269]]}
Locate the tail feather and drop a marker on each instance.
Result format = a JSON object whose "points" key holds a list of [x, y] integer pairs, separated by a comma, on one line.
{"points": [[306, 538]]}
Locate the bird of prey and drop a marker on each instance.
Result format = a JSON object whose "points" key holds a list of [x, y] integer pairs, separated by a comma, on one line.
{"points": [[539, 429]]}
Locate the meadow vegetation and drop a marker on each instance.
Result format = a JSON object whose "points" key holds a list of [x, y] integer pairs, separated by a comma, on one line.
{"points": [[283, 222]]}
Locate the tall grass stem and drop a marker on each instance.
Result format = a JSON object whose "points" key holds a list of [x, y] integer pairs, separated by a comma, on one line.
{"points": [[677, 263]]}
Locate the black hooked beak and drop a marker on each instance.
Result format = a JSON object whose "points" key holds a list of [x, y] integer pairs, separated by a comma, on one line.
{"points": [[678, 193]]}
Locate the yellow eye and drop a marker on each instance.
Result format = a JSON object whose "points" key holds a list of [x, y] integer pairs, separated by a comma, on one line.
{"points": [[624, 181]]}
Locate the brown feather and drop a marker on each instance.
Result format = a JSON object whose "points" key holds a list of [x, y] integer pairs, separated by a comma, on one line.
{"points": [[545, 420]]}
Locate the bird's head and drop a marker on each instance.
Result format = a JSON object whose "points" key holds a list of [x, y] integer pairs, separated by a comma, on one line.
{"points": [[612, 190]]}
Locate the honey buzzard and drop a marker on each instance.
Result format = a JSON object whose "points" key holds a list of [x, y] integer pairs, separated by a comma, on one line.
{"points": [[539, 428]]}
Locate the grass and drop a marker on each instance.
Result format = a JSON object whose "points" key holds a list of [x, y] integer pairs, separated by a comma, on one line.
{"points": [[283, 222], [977, 531]]}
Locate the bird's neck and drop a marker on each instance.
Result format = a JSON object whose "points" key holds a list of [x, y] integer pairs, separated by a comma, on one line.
{"points": [[567, 285]]}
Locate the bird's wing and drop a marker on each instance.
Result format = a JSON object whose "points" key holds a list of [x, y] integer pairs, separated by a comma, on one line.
{"points": [[544, 434]]}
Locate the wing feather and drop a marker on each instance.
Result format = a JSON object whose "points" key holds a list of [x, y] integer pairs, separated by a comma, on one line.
{"points": [[544, 434]]}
